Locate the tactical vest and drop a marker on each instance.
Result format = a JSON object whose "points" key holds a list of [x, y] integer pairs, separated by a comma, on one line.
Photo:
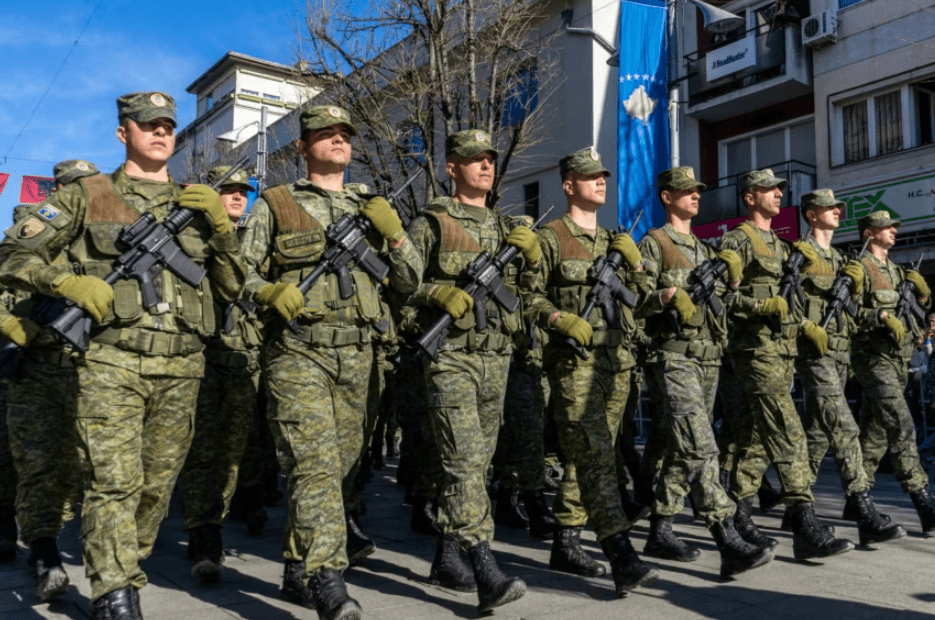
{"points": [[569, 287], [674, 271], [817, 282], [882, 295], [761, 279], [457, 248], [297, 247], [168, 328]]}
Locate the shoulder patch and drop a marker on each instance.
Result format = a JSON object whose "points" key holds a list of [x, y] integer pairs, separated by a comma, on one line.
{"points": [[48, 212], [30, 228]]}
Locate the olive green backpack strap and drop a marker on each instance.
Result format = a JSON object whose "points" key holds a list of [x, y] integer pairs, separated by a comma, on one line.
{"points": [[290, 217], [672, 257], [454, 237], [880, 282], [759, 246], [104, 204], [571, 248]]}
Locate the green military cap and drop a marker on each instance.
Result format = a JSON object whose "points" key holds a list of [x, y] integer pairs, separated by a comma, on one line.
{"points": [[877, 219], [71, 170], [146, 107], [585, 161], [239, 178], [682, 177], [820, 198], [321, 116], [468, 143], [761, 178]]}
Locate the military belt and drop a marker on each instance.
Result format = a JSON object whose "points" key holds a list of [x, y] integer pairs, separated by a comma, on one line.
{"points": [[231, 358], [472, 341], [52, 357], [330, 336], [151, 342], [692, 348], [837, 343]]}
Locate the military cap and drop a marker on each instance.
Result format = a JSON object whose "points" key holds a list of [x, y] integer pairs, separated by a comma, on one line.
{"points": [[71, 170], [321, 116], [820, 198], [146, 107], [682, 177], [238, 179], [877, 219], [468, 143], [585, 161], [761, 178]]}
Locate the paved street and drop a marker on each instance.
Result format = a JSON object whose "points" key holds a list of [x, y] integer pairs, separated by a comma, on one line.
{"points": [[895, 579]]}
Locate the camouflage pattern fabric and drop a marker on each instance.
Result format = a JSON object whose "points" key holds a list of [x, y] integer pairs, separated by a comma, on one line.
{"points": [[317, 409], [41, 422], [733, 413], [627, 455], [7, 470], [419, 463]]}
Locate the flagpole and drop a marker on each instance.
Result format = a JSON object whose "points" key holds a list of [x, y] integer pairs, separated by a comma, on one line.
{"points": [[673, 81]]}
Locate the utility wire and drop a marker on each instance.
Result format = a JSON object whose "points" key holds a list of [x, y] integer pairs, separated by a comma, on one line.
{"points": [[54, 77]]}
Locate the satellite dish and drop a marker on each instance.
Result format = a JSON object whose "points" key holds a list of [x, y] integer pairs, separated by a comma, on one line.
{"points": [[719, 21]]}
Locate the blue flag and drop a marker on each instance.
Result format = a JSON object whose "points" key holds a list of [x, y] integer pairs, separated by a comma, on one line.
{"points": [[642, 113]]}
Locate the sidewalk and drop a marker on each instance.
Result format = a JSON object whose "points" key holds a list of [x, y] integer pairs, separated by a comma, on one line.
{"points": [[893, 578]]}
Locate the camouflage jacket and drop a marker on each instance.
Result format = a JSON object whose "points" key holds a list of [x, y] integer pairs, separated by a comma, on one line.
{"points": [[817, 281]]}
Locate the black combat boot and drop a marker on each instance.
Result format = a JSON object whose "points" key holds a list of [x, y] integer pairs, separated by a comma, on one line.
{"points": [[925, 506], [206, 552], [122, 604], [448, 569], [423, 516], [541, 519], [809, 539], [493, 587], [663, 543], [786, 525], [628, 569], [768, 497], [247, 507], [358, 545], [737, 555], [631, 508], [508, 512], [329, 593], [852, 510], [392, 450], [748, 530], [8, 533], [46, 563], [376, 453], [870, 525], [569, 557], [294, 587]]}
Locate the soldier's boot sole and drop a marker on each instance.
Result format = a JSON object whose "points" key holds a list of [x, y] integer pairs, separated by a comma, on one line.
{"points": [[869, 535], [51, 584], [514, 591], [207, 570], [731, 566]]}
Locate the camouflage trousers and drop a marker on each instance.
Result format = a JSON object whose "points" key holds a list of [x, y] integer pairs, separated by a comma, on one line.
{"points": [[134, 430], [7, 470], [420, 465], [317, 411], [227, 400], [828, 421], [885, 421], [353, 484], [733, 414], [689, 458], [41, 422], [464, 399], [588, 400], [627, 456], [772, 430], [520, 456]]}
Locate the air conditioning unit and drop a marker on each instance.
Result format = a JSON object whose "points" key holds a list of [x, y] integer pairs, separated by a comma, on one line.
{"points": [[820, 29]]}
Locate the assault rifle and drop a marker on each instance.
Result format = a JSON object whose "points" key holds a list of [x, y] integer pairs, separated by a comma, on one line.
{"points": [[908, 307], [45, 309], [702, 290], [841, 296], [606, 291], [148, 247], [406, 216], [790, 288], [485, 275]]}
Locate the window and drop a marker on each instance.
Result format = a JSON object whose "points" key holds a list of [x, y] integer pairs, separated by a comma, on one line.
{"points": [[843, 4], [209, 101], [531, 200], [767, 148], [520, 96], [856, 144], [414, 144], [273, 97], [250, 92], [923, 95]]}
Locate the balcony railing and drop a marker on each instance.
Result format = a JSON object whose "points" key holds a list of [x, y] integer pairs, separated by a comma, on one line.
{"points": [[723, 202]]}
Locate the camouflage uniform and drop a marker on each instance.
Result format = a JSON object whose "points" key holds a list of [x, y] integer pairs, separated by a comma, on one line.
{"points": [[138, 380], [589, 396], [467, 385], [318, 379], [763, 364], [684, 366], [828, 420], [882, 367], [8, 528]]}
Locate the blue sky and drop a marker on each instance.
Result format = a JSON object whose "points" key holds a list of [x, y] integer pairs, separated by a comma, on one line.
{"points": [[127, 46]]}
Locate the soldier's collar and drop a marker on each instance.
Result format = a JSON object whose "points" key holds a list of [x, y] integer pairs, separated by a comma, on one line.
{"points": [[576, 230]]}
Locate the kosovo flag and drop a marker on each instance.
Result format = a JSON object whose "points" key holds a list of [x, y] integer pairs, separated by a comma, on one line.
{"points": [[35, 189], [642, 113]]}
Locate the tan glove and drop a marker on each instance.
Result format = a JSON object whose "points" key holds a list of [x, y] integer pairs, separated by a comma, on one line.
{"points": [[808, 251], [631, 254], [20, 331], [895, 326], [574, 326], [816, 335], [526, 241], [384, 218], [452, 300], [683, 305], [774, 305], [734, 265], [285, 297], [89, 292], [203, 198], [919, 282], [855, 272]]}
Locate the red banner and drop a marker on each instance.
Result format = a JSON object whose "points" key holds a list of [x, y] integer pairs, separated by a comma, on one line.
{"points": [[786, 225], [36, 189], [3, 179]]}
